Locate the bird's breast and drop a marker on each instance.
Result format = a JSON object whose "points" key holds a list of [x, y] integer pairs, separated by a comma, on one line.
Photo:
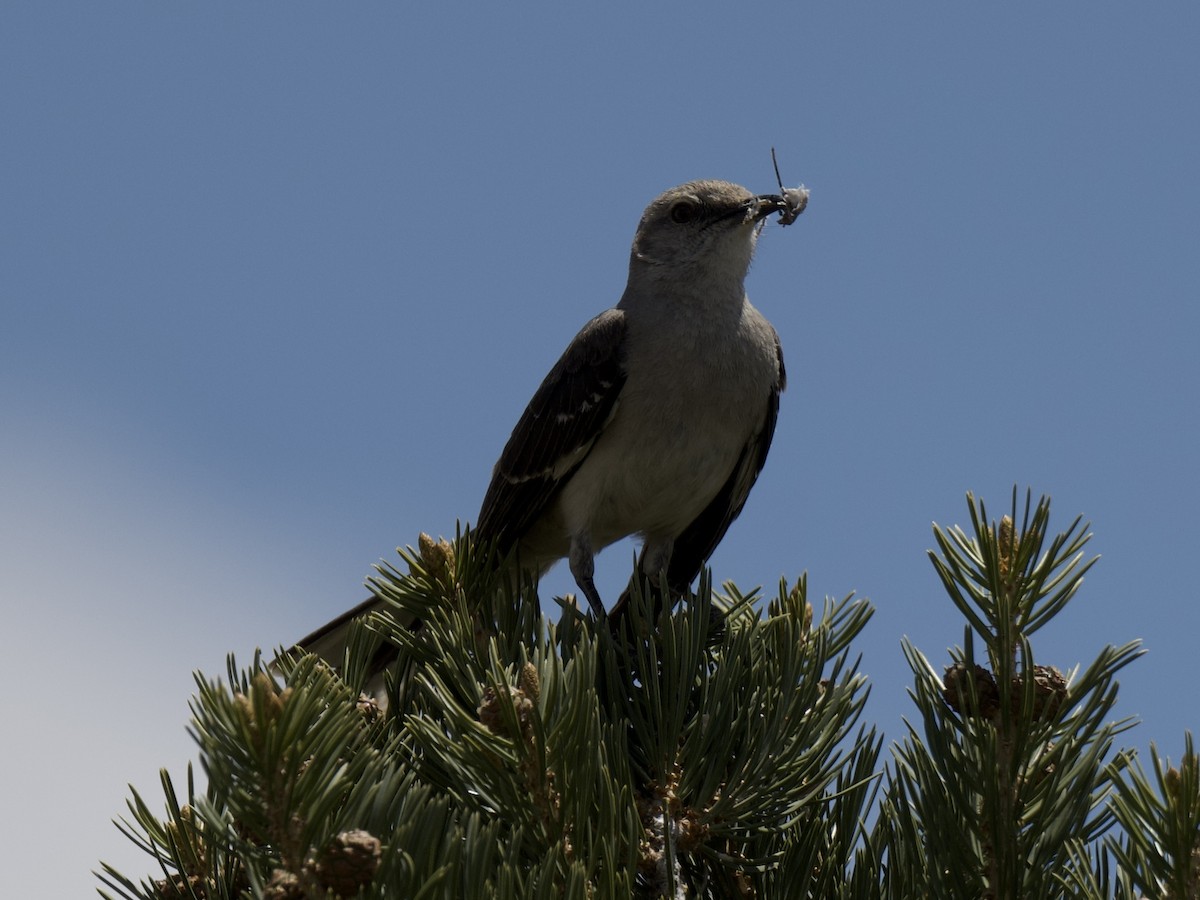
{"points": [[684, 417]]}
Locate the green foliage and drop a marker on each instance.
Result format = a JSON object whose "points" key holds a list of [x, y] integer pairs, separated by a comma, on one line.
{"points": [[703, 753], [712, 751], [1159, 851], [1003, 784]]}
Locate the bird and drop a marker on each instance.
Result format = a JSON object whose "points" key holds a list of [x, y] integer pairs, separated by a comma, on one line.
{"points": [[657, 419]]}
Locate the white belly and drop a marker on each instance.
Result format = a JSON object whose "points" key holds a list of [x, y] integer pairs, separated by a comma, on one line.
{"points": [[653, 484], [684, 418]]}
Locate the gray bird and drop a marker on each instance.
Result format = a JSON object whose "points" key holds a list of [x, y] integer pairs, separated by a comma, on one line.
{"points": [[657, 418]]}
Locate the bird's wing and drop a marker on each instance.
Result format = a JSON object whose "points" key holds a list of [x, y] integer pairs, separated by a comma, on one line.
{"points": [[698, 541], [556, 431], [563, 419]]}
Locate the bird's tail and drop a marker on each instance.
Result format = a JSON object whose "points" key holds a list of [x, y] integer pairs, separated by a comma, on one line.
{"points": [[436, 562]]}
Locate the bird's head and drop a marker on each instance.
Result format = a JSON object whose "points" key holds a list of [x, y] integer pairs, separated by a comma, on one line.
{"points": [[708, 225]]}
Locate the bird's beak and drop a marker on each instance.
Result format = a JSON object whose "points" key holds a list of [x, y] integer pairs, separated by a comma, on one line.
{"points": [[789, 205]]}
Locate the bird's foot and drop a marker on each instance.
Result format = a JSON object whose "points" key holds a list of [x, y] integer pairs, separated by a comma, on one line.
{"points": [[593, 597]]}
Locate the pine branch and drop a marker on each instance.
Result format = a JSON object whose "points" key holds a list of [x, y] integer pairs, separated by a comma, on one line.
{"points": [[1009, 769], [1160, 819]]}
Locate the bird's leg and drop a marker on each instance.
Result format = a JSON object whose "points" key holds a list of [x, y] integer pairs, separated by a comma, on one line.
{"points": [[656, 556], [653, 563], [583, 567]]}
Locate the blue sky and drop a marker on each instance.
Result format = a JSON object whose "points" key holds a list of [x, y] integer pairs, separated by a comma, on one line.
{"points": [[276, 282]]}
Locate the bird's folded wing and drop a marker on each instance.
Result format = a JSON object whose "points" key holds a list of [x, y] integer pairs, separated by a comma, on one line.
{"points": [[562, 421], [556, 431]]}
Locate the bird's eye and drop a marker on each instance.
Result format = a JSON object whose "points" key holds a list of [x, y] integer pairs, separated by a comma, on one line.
{"points": [[684, 211]]}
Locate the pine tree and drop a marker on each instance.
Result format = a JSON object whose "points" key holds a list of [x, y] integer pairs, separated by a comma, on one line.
{"points": [[714, 750]]}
